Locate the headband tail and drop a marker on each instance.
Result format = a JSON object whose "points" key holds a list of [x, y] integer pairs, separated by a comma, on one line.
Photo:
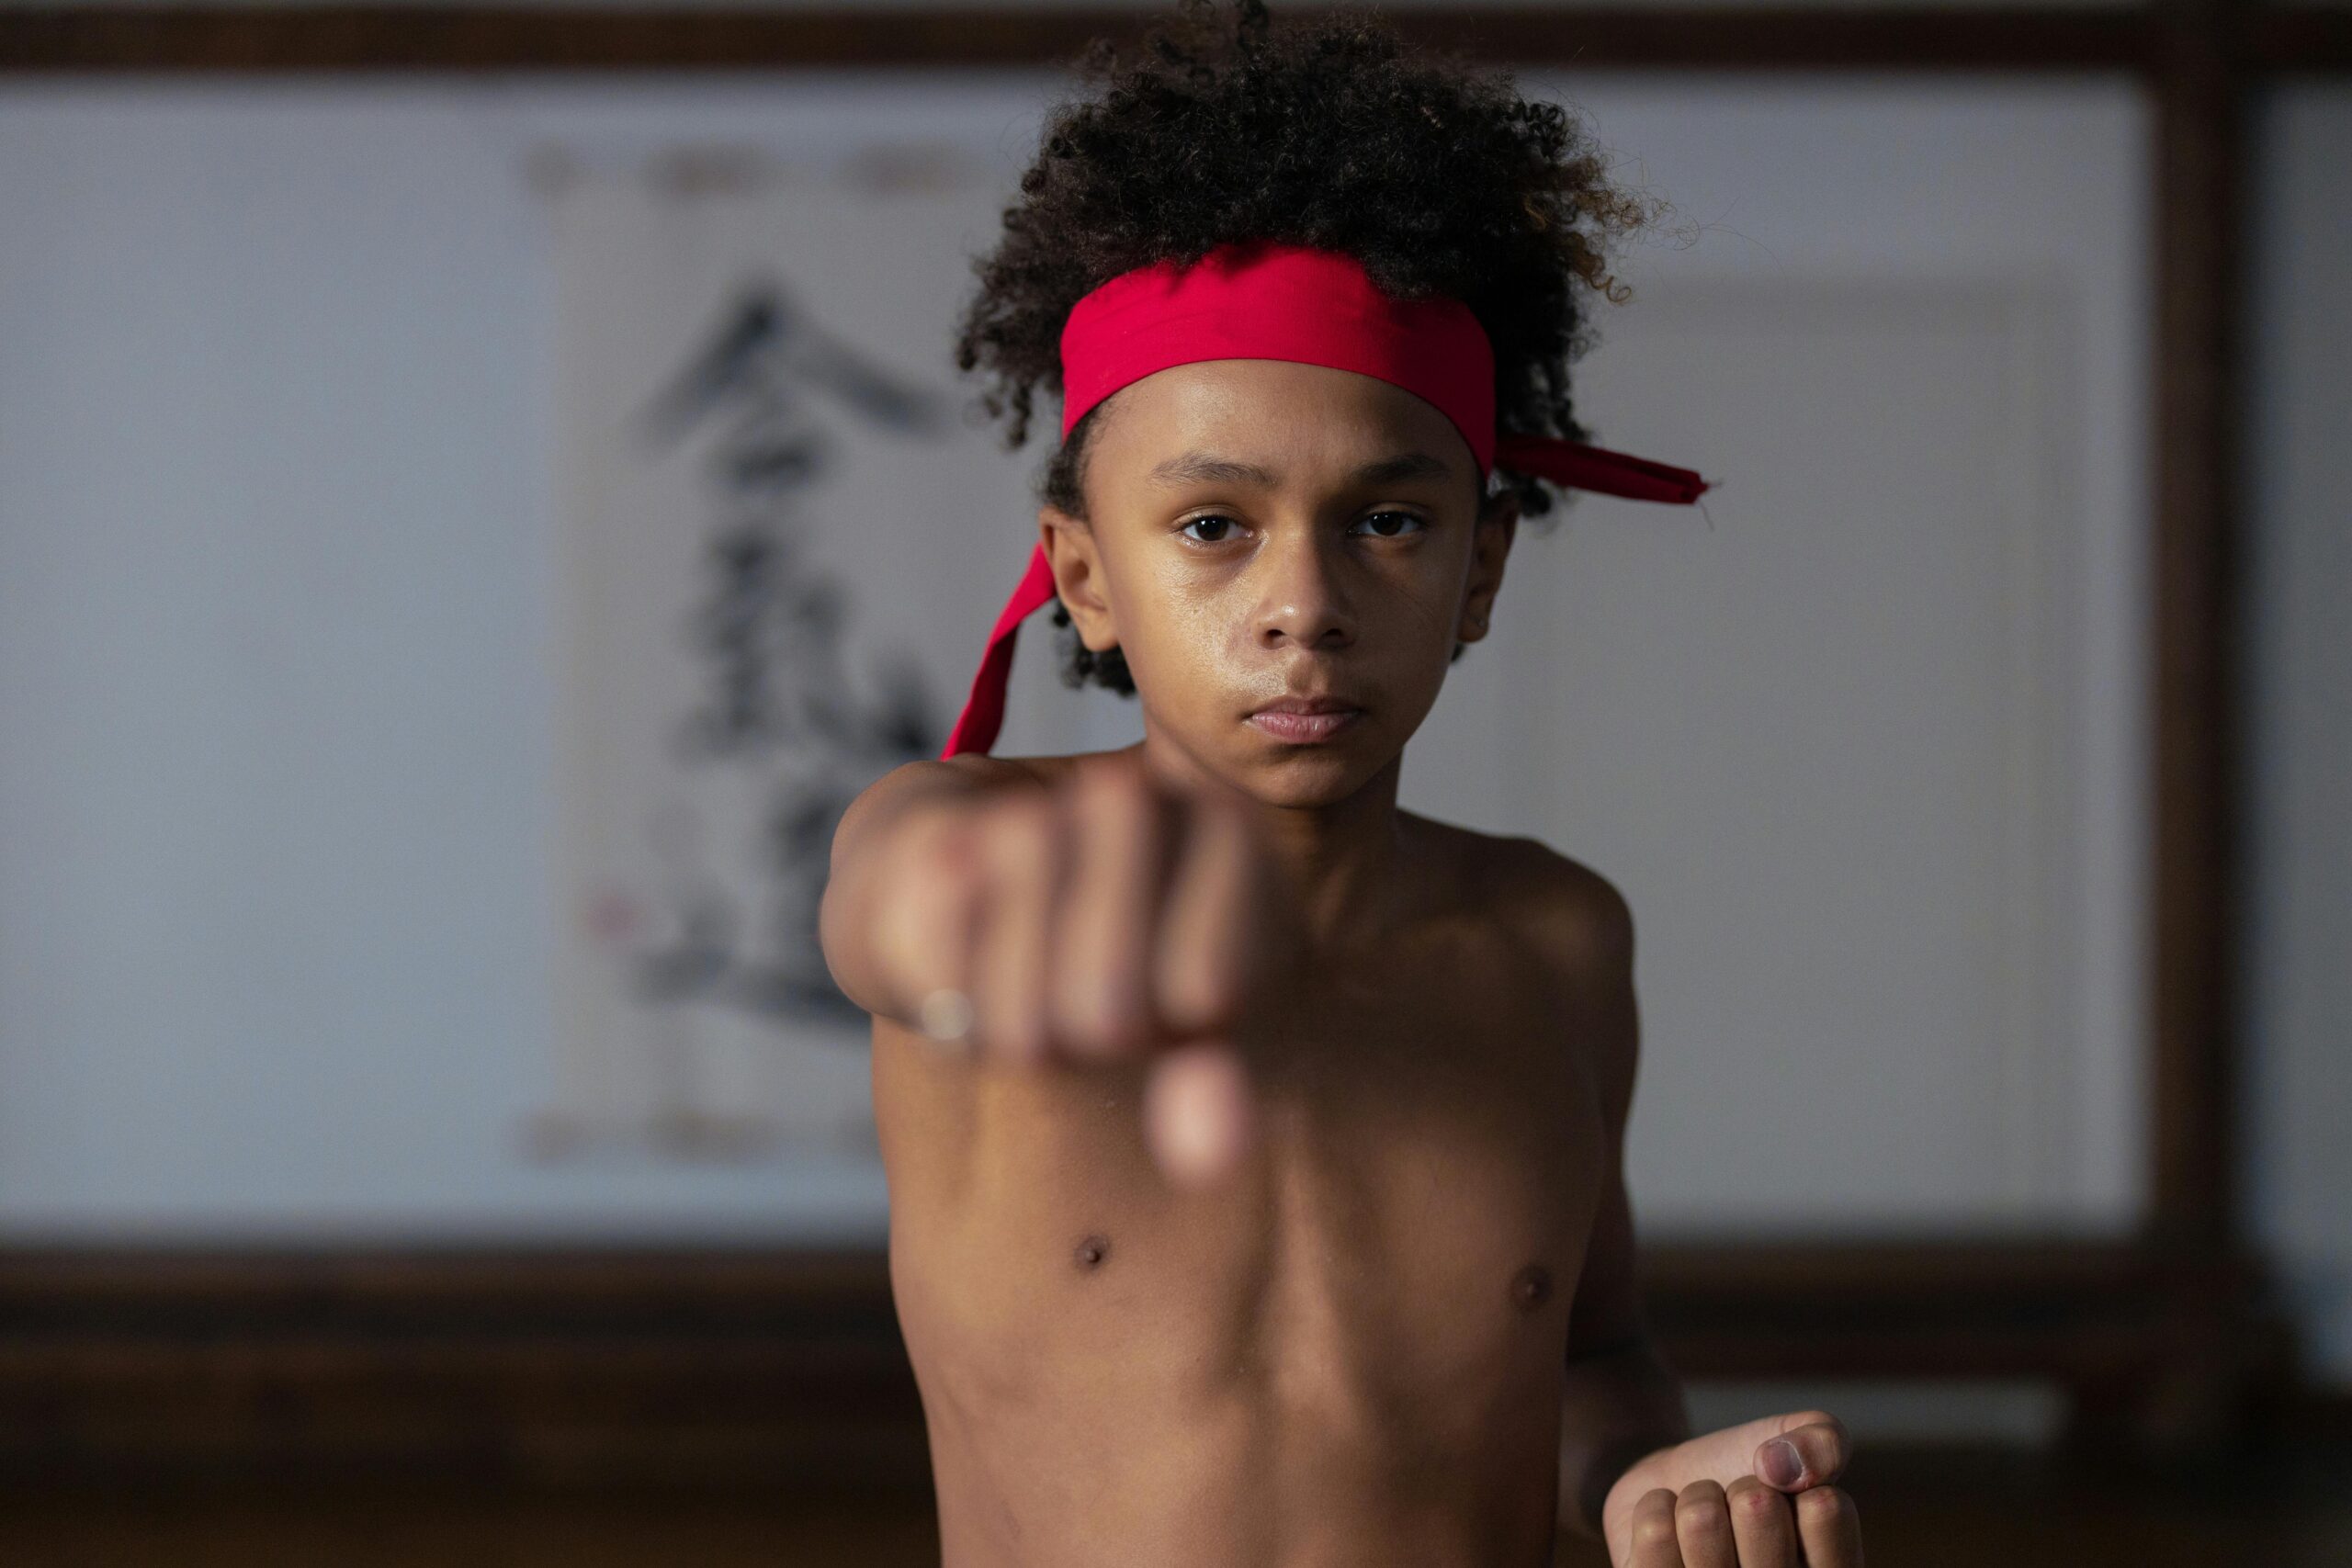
{"points": [[1579, 467], [983, 713]]}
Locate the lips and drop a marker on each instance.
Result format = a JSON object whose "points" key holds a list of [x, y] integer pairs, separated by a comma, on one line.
{"points": [[1309, 704], [1306, 720]]}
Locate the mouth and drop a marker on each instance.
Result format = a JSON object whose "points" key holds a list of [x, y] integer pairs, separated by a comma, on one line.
{"points": [[1306, 720]]}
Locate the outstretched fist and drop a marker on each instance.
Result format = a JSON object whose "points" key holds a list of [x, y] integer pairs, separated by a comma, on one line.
{"points": [[1108, 918]]}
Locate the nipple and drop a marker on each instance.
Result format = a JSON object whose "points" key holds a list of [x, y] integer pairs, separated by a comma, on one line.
{"points": [[1531, 1287]]}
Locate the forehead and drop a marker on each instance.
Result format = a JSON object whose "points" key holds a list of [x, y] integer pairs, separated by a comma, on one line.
{"points": [[1303, 419]]}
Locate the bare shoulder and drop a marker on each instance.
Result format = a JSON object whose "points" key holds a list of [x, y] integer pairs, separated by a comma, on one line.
{"points": [[1576, 927], [1569, 912], [1584, 921], [1585, 927]]}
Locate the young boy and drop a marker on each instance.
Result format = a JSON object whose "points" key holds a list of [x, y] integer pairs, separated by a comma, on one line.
{"points": [[1254, 1146]]}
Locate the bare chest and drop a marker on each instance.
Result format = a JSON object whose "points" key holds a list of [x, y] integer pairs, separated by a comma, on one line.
{"points": [[1409, 1232]]}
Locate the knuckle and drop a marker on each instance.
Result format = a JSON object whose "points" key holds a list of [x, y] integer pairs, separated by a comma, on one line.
{"points": [[945, 849], [1701, 1524], [1822, 1505], [1757, 1502], [1087, 1025], [1194, 991], [1096, 1016]]}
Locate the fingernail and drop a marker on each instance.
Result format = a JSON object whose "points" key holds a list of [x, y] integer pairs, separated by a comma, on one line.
{"points": [[1783, 1466]]}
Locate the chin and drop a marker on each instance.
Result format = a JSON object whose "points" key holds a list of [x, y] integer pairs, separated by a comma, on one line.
{"points": [[1310, 775]]}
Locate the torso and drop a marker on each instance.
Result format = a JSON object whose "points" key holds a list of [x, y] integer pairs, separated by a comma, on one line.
{"points": [[1351, 1353]]}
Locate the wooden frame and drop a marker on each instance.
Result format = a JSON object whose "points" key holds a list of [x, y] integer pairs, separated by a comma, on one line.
{"points": [[459, 37], [604, 1363]]}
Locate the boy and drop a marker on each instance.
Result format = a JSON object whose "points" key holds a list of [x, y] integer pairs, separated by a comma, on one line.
{"points": [[1254, 1146]]}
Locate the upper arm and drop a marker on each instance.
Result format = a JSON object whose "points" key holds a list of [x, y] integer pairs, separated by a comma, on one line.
{"points": [[1589, 932]]}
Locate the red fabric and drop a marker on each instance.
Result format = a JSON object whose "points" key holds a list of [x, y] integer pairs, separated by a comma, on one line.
{"points": [[1264, 300], [983, 713], [1574, 466]]}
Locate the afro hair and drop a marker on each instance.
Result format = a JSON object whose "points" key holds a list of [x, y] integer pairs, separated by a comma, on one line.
{"points": [[1327, 131]]}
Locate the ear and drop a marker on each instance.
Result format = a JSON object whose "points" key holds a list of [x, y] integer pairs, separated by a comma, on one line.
{"points": [[1071, 550], [1490, 547]]}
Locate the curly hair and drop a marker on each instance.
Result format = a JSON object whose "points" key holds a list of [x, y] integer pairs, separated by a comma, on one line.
{"points": [[1325, 130]]}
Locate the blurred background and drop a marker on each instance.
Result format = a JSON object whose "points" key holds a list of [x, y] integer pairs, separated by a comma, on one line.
{"points": [[481, 489]]}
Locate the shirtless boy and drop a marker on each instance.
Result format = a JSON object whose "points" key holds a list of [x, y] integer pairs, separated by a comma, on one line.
{"points": [[1254, 1146]]}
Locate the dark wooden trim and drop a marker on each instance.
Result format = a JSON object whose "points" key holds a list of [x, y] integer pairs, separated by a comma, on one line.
{"points": [[463, 39], [694, 1365], [2300, 39], [549, 1366], [2201, 111], [270, 41]]}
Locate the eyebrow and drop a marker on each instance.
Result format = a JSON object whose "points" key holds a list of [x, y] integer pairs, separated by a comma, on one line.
{"points": [[1205, 468]]}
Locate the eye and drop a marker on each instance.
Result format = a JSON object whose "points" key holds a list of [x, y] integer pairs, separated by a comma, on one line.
{"points": [[1212, 519], [1400, 518]]}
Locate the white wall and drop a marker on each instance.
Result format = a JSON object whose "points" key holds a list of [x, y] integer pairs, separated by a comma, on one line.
{"points": [[277, 428], [252, 343], [274, 663]]}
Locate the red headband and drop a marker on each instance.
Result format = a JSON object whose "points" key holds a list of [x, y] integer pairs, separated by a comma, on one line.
{"points": [[1265, 299]]}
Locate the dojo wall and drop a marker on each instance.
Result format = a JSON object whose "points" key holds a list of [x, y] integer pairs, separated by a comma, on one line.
{"points": [[272, 858]]}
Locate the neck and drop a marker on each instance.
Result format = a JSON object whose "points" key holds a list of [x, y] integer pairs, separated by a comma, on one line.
{"points": [[1341, 858]]}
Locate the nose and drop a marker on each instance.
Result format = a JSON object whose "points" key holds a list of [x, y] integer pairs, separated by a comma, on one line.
{"points": [[1303, 599]]}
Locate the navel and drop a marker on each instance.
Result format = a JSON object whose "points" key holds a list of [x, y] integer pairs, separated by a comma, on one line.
{"points": [[1090, 1251], [1531, 1287]]}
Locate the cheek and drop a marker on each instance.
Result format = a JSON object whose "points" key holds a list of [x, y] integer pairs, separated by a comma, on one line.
{"points": [[1186, 645], [1179, 626], [1171, 626], [1423, 603], [1431, 610]]}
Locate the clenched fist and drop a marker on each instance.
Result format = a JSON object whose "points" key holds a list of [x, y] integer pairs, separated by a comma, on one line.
{"points": [[1105, 918], [1757, 1496]]}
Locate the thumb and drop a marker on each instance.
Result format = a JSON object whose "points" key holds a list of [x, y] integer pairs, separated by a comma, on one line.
{"points": [[1761, 1448], [1197, 1113], [1802, 1450]]}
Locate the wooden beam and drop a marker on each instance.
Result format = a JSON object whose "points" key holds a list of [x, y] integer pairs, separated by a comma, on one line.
{"points": [[2194, 635], [2299, 41], [556, 1365], [458, 39]]}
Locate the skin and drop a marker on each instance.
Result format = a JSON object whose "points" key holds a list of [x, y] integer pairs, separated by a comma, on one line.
{"points": [[1272, 1212]]}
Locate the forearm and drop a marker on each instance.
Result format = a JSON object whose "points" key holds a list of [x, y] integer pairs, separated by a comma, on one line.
{"points": [[1617, 1406]]}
